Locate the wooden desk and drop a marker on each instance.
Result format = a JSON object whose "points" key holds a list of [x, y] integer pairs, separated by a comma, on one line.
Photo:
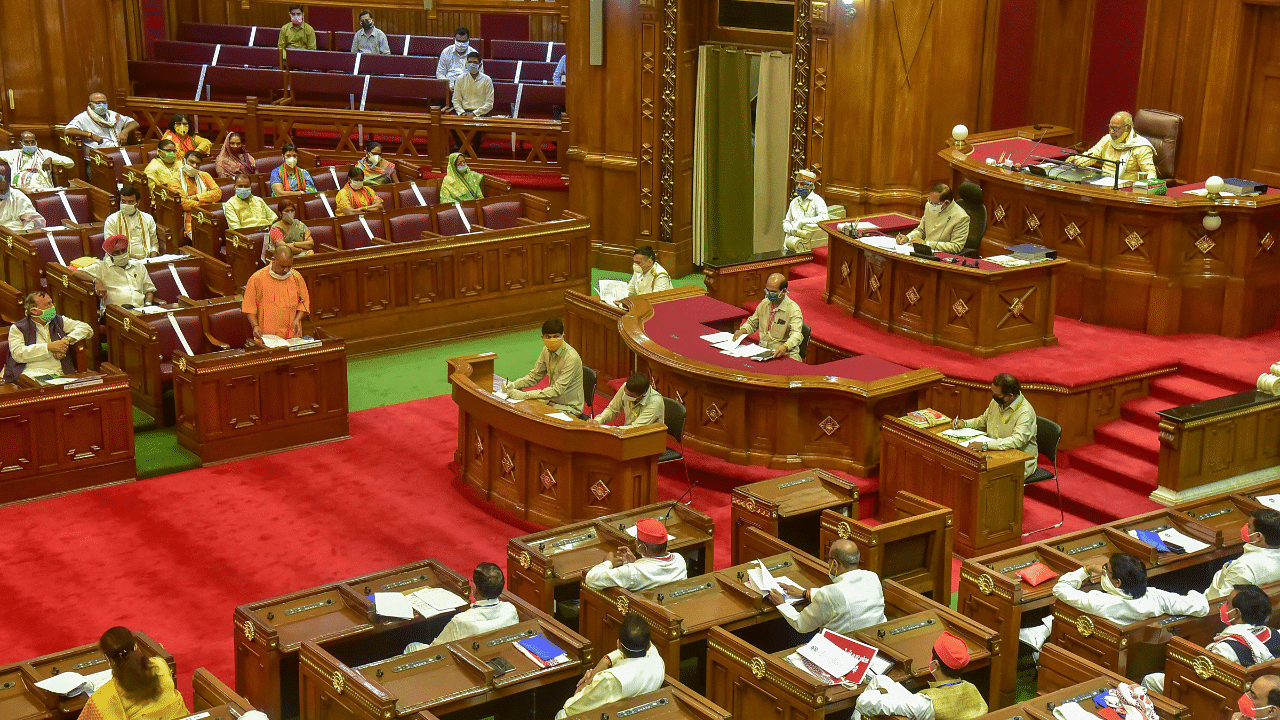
{"points": [[1060, 670], [1206, 447], [210, 693], [541, 468], [914, 548], [10, 304], [788, 508], [58, 439], [444, 679], [337, 617], [984, 311], [546, 568], [672, 702], [984, 489], [591, 327], [783, 414], [1143, 262], [237, 403], [742, 280], [1207, 684]]}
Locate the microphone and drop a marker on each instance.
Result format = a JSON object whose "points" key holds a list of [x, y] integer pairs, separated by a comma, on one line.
{"points": [[688, 492]]}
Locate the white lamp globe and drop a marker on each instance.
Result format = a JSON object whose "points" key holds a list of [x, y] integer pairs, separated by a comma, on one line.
{"points": [[1211, 222], [1214, 185], [959, 133]]}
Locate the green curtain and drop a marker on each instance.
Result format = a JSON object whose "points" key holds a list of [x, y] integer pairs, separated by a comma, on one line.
{"points": [[724, 162]]}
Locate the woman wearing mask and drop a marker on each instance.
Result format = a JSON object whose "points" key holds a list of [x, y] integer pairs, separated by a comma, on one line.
{"points": [[140, 688], [377, 170], [460, 183], [180, 133], [234, 159], [289, 179], [164, 167], [288, 230], [354, 198]]}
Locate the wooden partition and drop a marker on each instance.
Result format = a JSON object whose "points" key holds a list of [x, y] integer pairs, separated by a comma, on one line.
{"points": [[1215, 440], [788, 508], [207, 691]]}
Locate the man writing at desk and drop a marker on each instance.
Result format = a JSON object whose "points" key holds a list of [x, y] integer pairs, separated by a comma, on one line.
{"points": [[945, 225], [654, 567], [778, 318], [486, 614], [559, 360], [1124, 145], [854, 599], [1009, 421], [638, 402]]}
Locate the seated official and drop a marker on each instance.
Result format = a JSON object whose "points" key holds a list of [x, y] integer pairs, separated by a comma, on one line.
{"points": [[288, 231], [99, 126], [1123, 599], [1246, 640], [354, 198], [194, 186], [180, 133], [165, 167], [472, 90], [1124, 145], [17, 213], [1260, 563], [1009, 421], [646, 274], [276, 298], [32, 166], [655, 565], [945, 225], [854, 599], [138, 226], [246, 210], [296, 33], [288, 178], [369, 39], [635, 668], [1261, 700], [140, 688], [377, 169], [118, 278], [40, 343], [487, 613], [778, 319], [460, 182], [638, 402], [947, 697], [453, 58], [559, 361], [805, 211], [234, 159]]}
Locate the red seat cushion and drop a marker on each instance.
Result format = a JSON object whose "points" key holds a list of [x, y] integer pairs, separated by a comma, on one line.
{"points": [[409, 227], [167, 289], [168, 339], [68, 245], [502, 215], [430, 193], [230, 326], [354, 235], [55, 213], [315, 208], [451, 224]]}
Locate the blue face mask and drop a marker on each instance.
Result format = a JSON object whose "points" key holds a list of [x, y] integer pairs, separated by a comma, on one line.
{"points": [[804, 191], [100, 108], [244, 193], [772, 296], [29, 149]]}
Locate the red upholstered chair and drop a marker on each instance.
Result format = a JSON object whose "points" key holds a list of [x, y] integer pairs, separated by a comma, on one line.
{"points": [[519, 50], [55, 212], [430, 45], [189, 325], [502, 215], [393, 93], [329, 178], [316, 89], [386, 195], [541, 101], [256, 239], [68, 245], [342, 41], [259, 57], [152, 78], [215, 33], [235, 83], [316, 208], [354, 236], [324, 61], [537, 72], [430, 194], [266, 165], [406, 65], [408, 227], [228, 328], [504, 98], [501, 70], [448, 222], [267, 37], [167, 288], [323, 232], [179, 51]]}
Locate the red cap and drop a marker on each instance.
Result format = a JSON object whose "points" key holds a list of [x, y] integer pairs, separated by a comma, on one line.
{"points": [[952, 651], [652, 531], [115, 243]]}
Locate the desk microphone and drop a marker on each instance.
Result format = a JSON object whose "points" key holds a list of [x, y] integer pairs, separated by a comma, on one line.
{"points": [[688, 492]]}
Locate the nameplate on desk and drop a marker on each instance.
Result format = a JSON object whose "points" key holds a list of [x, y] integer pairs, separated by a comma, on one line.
{"points": [[784, 563], [83, 383], [691, 590], [312, 606], [417, 664], [1019, 566], [304, 346], [1215, 513], [559, 545], [909, 628], [795, 482], [402, 583], [641, 708], [88, 663], [512, 638], [1082, 548]]}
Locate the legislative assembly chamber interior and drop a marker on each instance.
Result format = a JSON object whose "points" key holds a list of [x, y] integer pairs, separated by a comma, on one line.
{"points": [[640, 359]]}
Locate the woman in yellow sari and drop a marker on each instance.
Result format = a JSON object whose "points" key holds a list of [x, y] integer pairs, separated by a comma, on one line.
{"points": [[180, 133], [460, 183], [140, 688]]}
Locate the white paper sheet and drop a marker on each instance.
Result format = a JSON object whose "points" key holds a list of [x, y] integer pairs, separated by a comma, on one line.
{"points": [[1271, 501], [152, 310], [560, 416], [611, 291], [393, 604], [164, 259], [718, 337], [66, 683], [881, 241], [60, 381], [439, 598], [822, 652], [864, 225], [764, 581], [744, 350], [98, 679], [1188, 543], [274, 341], [1007, 260], [729, 343], [881, 664], [1202, 192], [961, 433]]}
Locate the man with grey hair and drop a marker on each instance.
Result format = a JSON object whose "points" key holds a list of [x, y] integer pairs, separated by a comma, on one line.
{"points": [[41, 342], [1122, 144], [854, 599]]}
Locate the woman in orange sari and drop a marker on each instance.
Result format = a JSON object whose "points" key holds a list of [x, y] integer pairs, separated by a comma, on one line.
{"points": [[140, 688], [180, 133]]}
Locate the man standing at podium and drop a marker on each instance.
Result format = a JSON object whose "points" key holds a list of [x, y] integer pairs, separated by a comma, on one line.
{"points": [[1124, 145], [945, 225], [778, 318], [276, 298], [559, 360], [654, 567], [1009, 421]]}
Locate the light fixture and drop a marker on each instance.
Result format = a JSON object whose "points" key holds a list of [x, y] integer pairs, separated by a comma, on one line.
{"points": [[849, 8], [958, 134], [1212, 221], [1213, 186]]}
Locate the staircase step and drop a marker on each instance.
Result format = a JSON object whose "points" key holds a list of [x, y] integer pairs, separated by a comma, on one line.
{"points": [[1134, 440], [807, 270], [1143, 411], [1092, 498], [1180, 389], [1116, 467], [820, 255], [1228, 384]]}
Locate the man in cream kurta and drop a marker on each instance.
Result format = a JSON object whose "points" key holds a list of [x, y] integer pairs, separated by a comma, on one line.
{"points": [[1260, 563], [854, 600], [138, 226], [638, 402], [1009, 421], [562, 363], [646, 274], [1122, 144], [17, 212], [194, 186], [118, 278], [473, 90], [947, 697], [945, 225], [778, 318], [32, 166], [635, 668], [806, 210], [655, 566]]}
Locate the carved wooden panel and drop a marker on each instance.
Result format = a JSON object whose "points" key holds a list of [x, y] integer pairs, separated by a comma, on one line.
{"points": [[17, 444], [325, 289], [376, 288], [241, 401], [426, 281], [304, 390], [471, 270], [516, 269], [82, 436]]}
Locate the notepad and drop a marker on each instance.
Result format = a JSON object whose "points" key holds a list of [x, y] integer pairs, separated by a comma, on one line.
{"points": [[393, 605], [542, 651], [1188, 543], [961, 433], [71, 683], [822, 652], [432, 601]]}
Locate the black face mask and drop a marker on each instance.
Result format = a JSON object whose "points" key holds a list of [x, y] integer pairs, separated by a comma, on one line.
{"points": [[366, 24], [999, 400]]}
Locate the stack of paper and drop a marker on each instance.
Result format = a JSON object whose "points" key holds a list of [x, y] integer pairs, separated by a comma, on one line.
{"points": [[392, 605], [718, 337], [1007, 260], [748, 350], [763, 581], [542, 651], [560, 416], [727, 344], [612, 291], [1188, 543], [431, 601], [165, 259], [822, 652], [151, 310], [961, 433], [71, 683], [1271, 501]]}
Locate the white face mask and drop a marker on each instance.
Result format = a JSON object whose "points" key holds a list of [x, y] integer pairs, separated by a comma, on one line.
{"points": [[635, 268], [375, 158], [190, 170], [459, 46], [291, 162], [120, 260], [128, 209], [473, 68], [1110, 587], [272, 272], [933, 208], [357, 184], [288, 217]]}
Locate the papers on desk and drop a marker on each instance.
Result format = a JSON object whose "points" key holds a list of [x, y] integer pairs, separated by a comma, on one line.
{"points": [[884, 242], [1007, 260], [560, 416], [56, 380], [275, 341], [1073, 711], [165, 258], [430, 601], [763, 581], [718, 337], [1271, 501], [632, 532], [1172, 536], [961, 433], [611, 291], [151, 310], [727, 344], [822, 652], [393, 605], [838, 660], [70, 682], [1202, 192], [741, 351], [1106, 181]]}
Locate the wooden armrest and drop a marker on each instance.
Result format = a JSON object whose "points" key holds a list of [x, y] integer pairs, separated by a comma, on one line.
{"points": [[81, 349], [380, 241], [321, 247], [216, 342], [525, 221]]}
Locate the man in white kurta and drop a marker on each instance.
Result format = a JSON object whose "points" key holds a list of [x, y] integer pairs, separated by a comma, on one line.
{"points": [[806, 210], [854, 600], [1009, 421], [489, 612], [473, 90], [118, 278], [646, 274], [655, 565], [100, 127], [138, 226], [1246, 640], [638, 402], [31, 166], [1260, 563], [453, 58], [17, 212], [634, 669], [44, 356]]}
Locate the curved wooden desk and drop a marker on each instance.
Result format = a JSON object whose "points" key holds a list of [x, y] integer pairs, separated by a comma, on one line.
{"points": [[541, 468], [1143, 262], [984, 311], [782, 414]]}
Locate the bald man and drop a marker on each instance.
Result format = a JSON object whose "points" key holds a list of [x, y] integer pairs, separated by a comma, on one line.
{"points": [[854, 599], [1124, 145], [1262, 700], [778, 318]]}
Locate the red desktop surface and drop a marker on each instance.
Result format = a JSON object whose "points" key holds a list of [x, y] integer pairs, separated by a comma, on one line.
{"points": [[679, 326], [1019, 150]]}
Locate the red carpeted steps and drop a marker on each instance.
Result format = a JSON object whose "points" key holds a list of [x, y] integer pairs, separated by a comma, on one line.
{"points": [[1133, 440], [1143, 411], [1182, 389]]}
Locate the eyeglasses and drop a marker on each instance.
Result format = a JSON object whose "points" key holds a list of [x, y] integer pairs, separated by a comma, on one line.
{"points": [[1117, 128]]}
